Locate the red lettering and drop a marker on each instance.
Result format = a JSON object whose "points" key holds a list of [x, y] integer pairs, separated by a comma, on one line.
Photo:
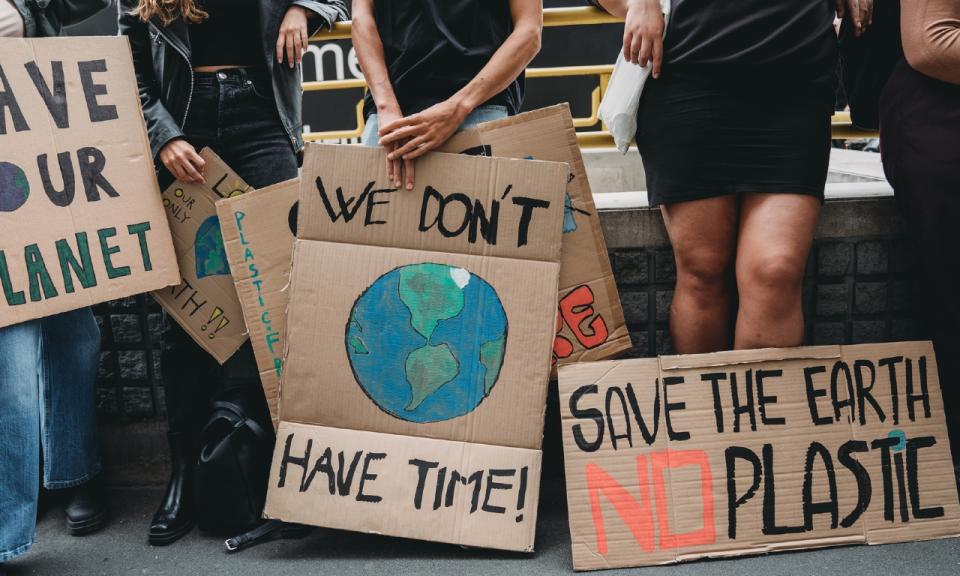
{"points": [[638, 516], [576, 308], [661, 461], [562, 348], [638, 513]]}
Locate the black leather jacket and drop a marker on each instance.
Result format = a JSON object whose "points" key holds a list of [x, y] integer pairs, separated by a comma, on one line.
{"points": [[46, 17], [161, 56]]}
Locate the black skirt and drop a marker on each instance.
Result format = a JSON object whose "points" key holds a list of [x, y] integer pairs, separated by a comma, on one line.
{"points": [[702, 136]]}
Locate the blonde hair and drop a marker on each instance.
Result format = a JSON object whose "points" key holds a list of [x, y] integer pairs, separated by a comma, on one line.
{"points": [[170, 10]]}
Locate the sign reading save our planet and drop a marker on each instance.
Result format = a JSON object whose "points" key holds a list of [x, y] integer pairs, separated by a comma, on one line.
{"points": [[80, 214]]}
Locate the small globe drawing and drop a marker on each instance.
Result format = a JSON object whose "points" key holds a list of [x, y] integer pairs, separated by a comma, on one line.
{"points": [[14, 187], [426, 341]]}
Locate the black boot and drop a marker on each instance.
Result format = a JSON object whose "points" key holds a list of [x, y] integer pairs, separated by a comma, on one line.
{"points": [[175, 517], [87, 511]]}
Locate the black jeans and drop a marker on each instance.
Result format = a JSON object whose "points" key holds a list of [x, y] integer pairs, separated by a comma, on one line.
{"points": [[233, 113]]}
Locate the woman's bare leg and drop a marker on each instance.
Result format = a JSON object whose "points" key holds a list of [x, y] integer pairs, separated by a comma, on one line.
{"points": [[776, 232], [703, 234]]}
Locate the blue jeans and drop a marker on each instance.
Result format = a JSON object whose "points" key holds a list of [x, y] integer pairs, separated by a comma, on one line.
{"points": [[48, 374], [371, 130]]}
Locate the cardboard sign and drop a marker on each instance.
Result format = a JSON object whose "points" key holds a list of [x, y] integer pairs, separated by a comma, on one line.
{"points": [[748, 452], [419, 329], [80, 214], [205, 303], [258, 233], [589, 324]]}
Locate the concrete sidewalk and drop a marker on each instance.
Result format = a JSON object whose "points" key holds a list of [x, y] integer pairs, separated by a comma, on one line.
{"points": [[121, 549]]}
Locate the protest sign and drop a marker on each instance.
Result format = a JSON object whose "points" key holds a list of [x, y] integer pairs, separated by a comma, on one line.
{"points": [[418, 347], [205, 303], [80, 214], [589, 321], [733, 453], [258, 233]]}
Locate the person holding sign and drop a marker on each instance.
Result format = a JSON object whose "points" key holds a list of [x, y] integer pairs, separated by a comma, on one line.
{"points": [[224, 75], [48, 372], [920, 127], [734, 134], [437, 66]]}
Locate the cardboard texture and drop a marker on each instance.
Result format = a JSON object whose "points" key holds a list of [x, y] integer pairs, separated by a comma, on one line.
{"points": [[419, 326], [747, 452], [589, 320], [258, 233], [464, 493], [205, 303], [80, 215]]}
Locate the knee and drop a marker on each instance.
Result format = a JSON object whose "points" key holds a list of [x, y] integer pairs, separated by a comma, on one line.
{"points": [[776, 275], [704, 278]]}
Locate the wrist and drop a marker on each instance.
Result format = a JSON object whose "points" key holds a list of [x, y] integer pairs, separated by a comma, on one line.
{"points": [[463, 105]]}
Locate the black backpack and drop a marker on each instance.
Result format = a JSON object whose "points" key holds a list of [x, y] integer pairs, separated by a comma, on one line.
{"points": [[232, 470]]}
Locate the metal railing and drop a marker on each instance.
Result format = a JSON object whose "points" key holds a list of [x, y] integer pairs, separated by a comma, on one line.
{"points": [[843, 129]]}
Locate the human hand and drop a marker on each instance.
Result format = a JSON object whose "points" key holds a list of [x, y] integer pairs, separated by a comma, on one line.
{"points": [[860, 12], [643, 34], [182, 160], [293, 39], [399, 171], [415, 135]]}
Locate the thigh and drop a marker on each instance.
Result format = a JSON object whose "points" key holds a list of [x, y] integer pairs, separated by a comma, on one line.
{"points": [[776, 232], [252, 139], [702, 233]]}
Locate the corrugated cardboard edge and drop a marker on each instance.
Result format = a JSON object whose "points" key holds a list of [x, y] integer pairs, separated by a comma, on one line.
{"points": [[225, 216]]}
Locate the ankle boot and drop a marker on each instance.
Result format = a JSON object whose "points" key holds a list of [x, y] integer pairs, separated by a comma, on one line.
{"points": [[175, 517], [87, 511]]}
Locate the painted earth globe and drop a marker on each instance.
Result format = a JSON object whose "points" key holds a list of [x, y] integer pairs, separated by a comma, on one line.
{"points": [[426, 341]]}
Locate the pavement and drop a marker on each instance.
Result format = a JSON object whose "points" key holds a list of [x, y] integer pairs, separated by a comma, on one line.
{"points": [[122, 549]]}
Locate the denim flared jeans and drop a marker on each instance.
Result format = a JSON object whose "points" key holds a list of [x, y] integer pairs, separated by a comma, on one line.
{"points": [[48, 372]]}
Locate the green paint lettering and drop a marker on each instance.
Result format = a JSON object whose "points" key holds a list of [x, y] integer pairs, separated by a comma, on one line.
{"points": [[108, 252], [38, 275], [83, 269], [13, 298], [141, 231]]}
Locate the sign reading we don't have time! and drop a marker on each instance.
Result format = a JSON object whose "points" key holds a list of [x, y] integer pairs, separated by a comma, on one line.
{"points": [[81, 219]]}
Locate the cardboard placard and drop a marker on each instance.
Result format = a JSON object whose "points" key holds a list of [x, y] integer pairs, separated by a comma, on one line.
{"points": [[480, 495], [80, 214], [747, 452], [258, 233], [205, 303], [590, 324], [420, 321]]}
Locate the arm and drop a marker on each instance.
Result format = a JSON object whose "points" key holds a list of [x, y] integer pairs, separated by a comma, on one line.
{"points": [[73, 11], [931, 37], [302, 19], [369, 47], [165, 135], [642, 30], [432, 127]]}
